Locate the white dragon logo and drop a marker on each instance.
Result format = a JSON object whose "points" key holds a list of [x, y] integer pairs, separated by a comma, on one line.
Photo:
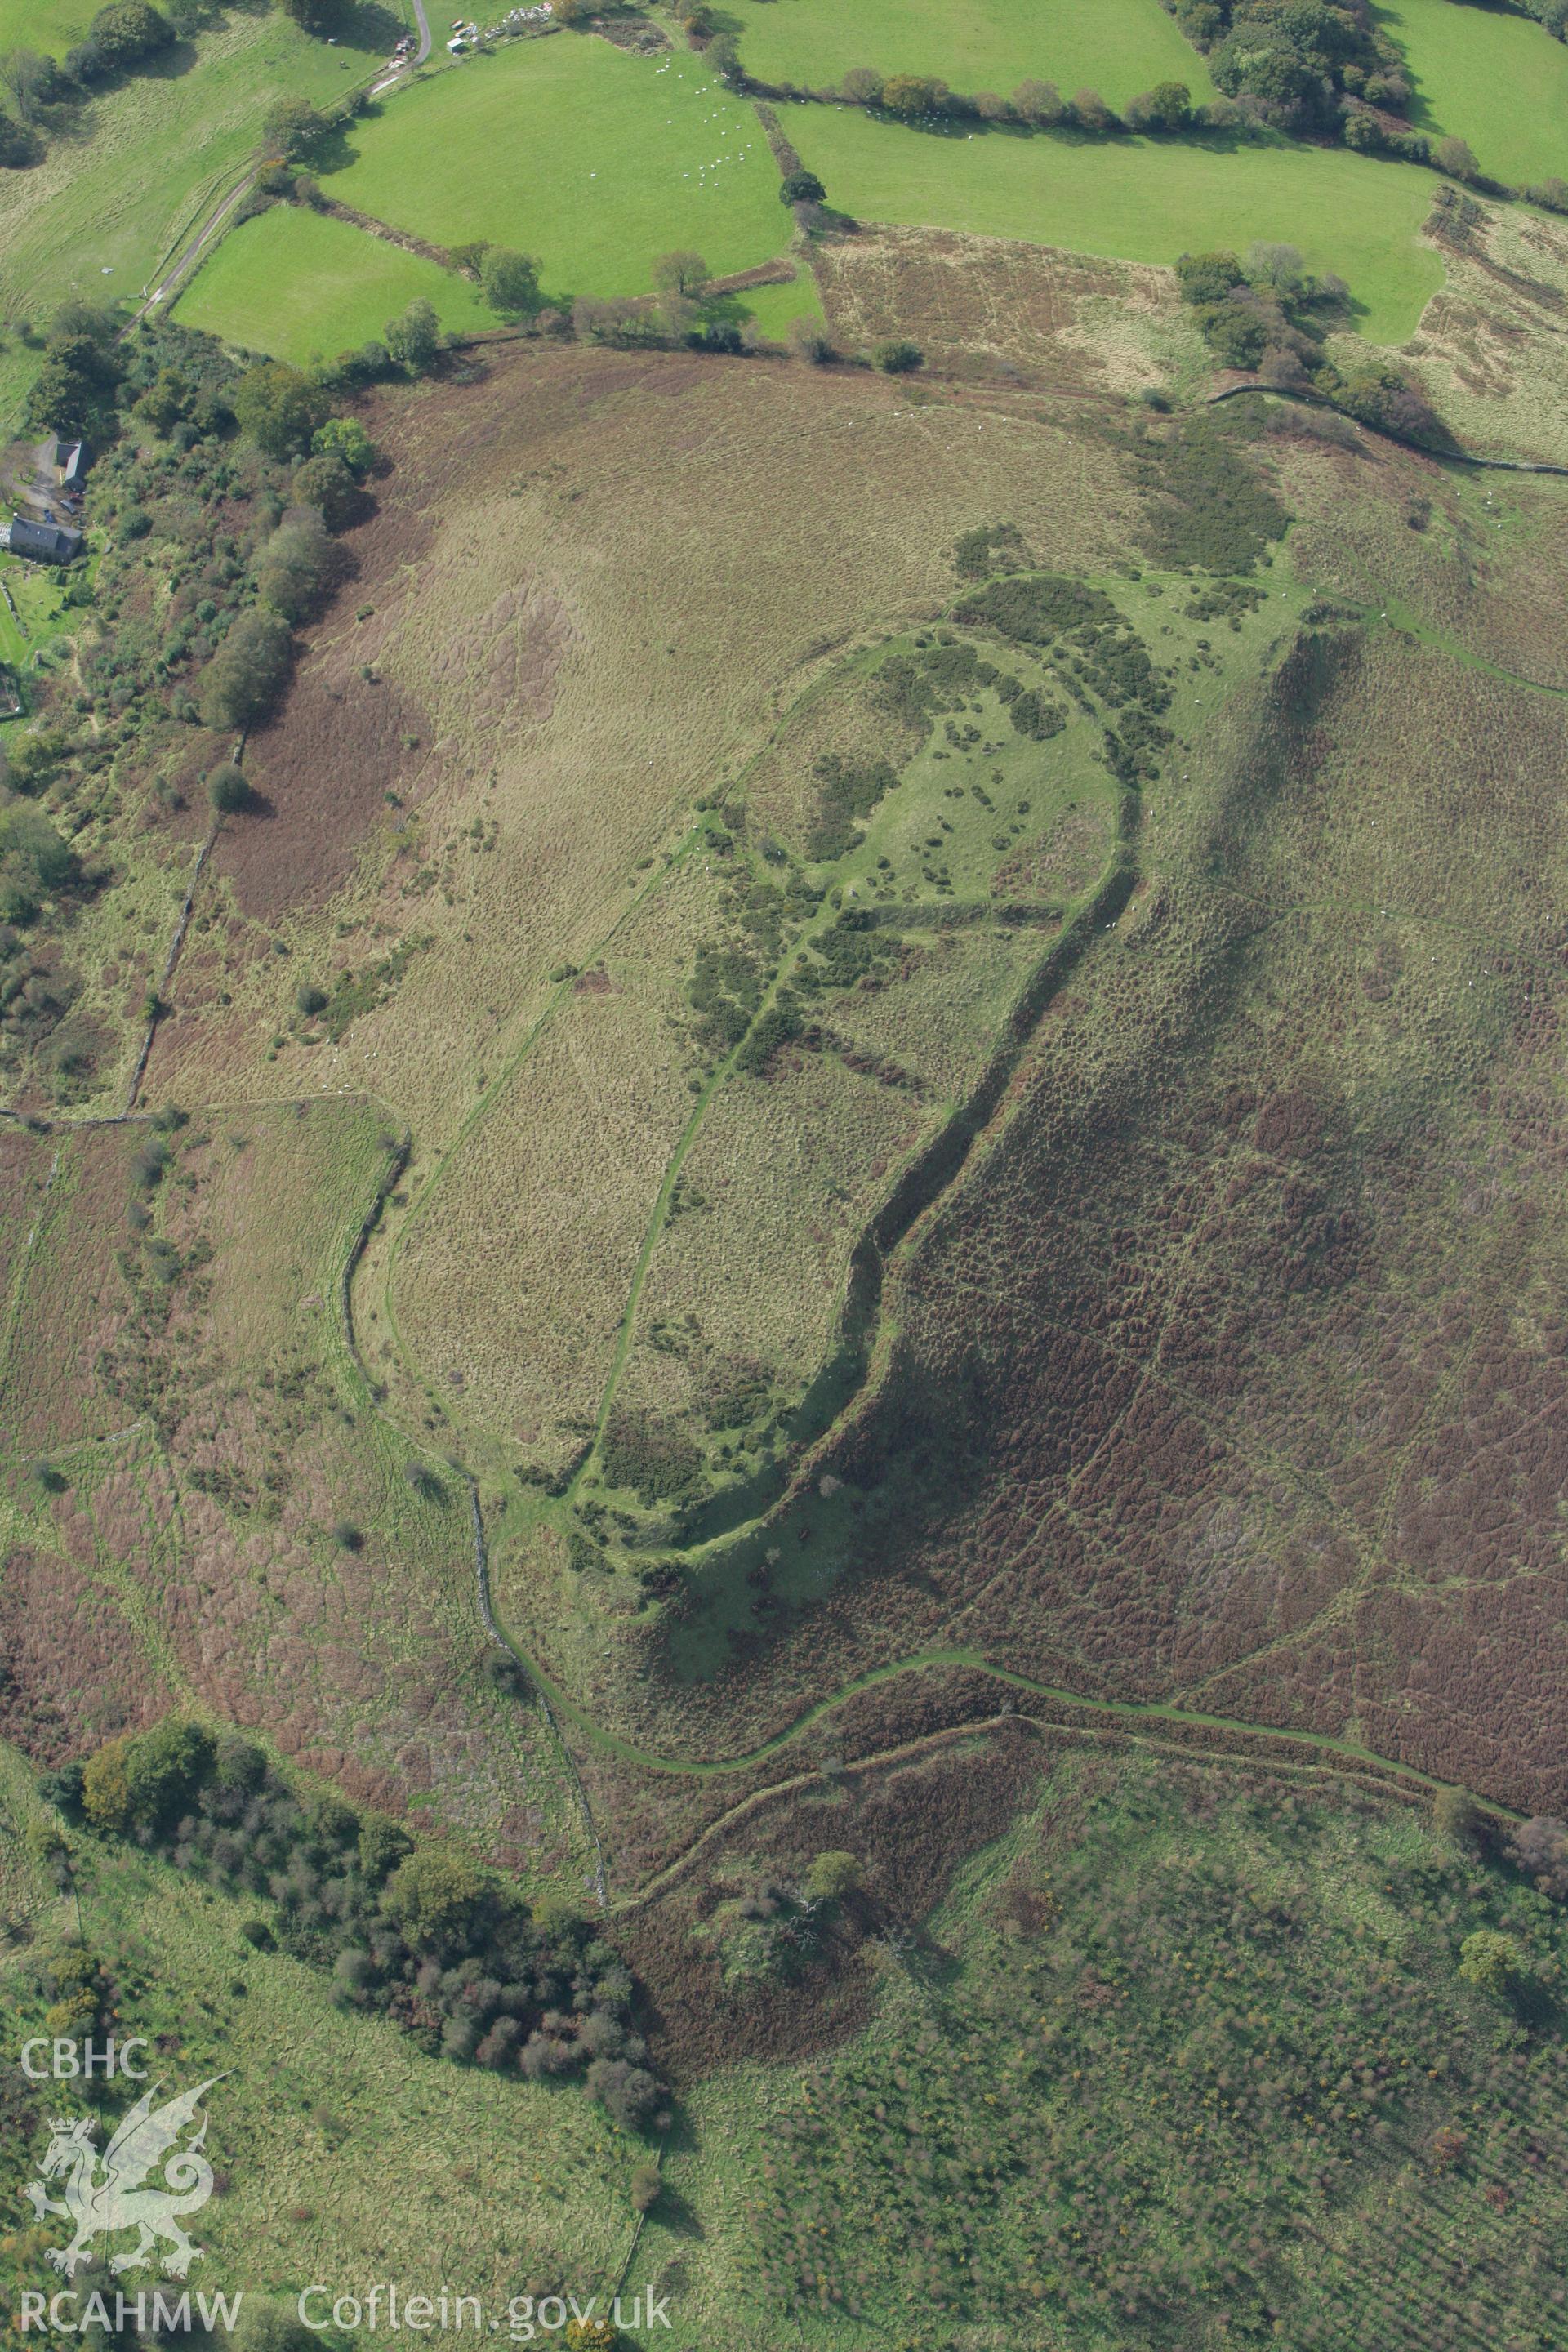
{"points": [[103, 2196]]}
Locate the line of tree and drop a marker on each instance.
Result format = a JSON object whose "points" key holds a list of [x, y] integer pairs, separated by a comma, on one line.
{"points": [[424, 1935], [1312, 68]]}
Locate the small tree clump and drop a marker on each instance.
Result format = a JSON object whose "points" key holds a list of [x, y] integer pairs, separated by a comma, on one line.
{"points": [[241, 684], [1167, 107], [279, 407], [831, 1876], [1456, 158], [414, 339], [1540, 1848], [1041, 104], [1456, 1815], [647, 2186], [681, 272], [301, 563], [1090, 112], [345, 437], [293, 128], [1491, 1960], [509, 281], [228, 790], [913, 97]]}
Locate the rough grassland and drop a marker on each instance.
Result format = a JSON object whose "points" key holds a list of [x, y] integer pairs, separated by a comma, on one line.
{"points": [[1139, 200], [593, 161], [299, 284], [176, 1347], [1493, 345], [592, 637], [54, 26], [1117, 46], [96, 216], [1066, 320], [1493, 78]]}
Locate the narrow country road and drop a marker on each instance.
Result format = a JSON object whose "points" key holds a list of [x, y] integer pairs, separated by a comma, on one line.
{"points": [[194, 252], [423, 22]]}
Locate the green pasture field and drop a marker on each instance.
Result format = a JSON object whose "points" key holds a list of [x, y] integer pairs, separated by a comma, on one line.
{"points": [[1117, 46], [593, 161], [300, 285], [1486, 75], [36, 593], [145, 162], [1139, 199]]}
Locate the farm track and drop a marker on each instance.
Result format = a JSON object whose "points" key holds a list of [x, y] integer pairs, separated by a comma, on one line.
{"points": [[931, 1743]]}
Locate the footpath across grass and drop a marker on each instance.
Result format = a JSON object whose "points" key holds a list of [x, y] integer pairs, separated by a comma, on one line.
{"points": [[593, 161], [1486, 75], [1139, 199], [1117, 46], [300, 285]]}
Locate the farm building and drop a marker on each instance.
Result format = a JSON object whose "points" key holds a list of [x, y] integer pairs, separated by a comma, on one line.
{"points": [[46, 542], [62, 463]]}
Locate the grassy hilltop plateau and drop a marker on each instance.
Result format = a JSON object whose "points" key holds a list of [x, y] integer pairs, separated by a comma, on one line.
{"points": [[783, 1172]]}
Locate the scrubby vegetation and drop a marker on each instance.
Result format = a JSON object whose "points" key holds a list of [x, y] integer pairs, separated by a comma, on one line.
{"points": [[1278, 2063], [215, 495], [1263, 313]]}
